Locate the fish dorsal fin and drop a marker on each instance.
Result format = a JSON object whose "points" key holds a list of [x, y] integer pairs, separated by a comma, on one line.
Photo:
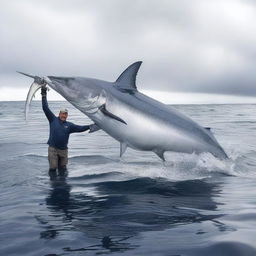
{"points": [[127, 80]]}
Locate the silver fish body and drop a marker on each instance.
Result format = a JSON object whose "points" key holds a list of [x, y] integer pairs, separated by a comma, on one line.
{"points": [[134, 119]]}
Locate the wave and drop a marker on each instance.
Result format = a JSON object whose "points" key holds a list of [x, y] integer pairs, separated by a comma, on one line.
{"points": [[177, 167], [158, 186], [226, 248], [17, 144], [95, 176], [34, 156], [91, 159]]}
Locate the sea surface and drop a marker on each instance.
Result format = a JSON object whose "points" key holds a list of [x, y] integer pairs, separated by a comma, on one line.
{"points": [[137, 205]]}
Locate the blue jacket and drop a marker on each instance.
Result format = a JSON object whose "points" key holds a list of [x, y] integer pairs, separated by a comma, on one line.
{"points": [[60, 130]]}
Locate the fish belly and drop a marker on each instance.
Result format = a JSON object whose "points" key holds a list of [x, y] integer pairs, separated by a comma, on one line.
{"points": [[144, 132]]}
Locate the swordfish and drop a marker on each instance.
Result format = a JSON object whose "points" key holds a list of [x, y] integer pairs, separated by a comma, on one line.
{"points": [[132, 118]]}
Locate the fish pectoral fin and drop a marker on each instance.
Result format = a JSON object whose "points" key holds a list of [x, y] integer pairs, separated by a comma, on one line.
{"points": [[103, 109], [123, 147], [160, 153]]}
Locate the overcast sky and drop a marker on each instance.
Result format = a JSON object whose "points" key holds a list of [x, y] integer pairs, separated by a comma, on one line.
{"points": [[197, 47]]}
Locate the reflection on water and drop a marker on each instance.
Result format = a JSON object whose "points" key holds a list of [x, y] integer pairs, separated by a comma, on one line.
{"points": [[58, 201], [123, 209], [110, 244]]}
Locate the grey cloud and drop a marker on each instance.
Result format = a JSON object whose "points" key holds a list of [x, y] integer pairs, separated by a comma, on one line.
{"points": [[199, 46]]}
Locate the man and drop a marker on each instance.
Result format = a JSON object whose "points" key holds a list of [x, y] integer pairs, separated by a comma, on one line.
{"points": [[60, 130]]}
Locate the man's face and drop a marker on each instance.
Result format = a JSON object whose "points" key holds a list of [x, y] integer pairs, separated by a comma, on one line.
{"points": [[63, 116]]}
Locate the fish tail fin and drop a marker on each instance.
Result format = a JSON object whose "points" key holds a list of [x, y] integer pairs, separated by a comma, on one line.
{"points": [[35, 86], [31, 93]]}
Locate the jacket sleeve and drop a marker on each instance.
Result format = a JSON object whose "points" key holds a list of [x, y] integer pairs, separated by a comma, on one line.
{"points": [[78, 128], [50, 116]]}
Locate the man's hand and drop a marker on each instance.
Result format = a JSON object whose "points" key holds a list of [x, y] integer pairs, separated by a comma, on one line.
{"points": [[94, 128], [43, 91]]}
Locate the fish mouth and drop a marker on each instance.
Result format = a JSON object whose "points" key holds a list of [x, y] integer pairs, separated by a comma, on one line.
{"points": [[51, 83], [61, 80], [90, 103], [59, 86], [58, 83]]}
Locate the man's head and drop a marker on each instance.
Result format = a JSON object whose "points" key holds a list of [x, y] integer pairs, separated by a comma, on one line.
{"points": [[63, 115]]}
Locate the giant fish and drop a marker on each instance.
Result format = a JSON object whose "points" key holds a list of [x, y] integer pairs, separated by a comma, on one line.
{"points": [[132, 118]]}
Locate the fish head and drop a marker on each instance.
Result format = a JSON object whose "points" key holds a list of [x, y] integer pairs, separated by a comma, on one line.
{"points": [[84, 93]]}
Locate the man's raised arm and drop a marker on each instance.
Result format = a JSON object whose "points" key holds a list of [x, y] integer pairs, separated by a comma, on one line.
{"points": [[50, 116]]}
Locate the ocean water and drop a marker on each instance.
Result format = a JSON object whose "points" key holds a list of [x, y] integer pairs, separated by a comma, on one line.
{"points": [[191, 205]]}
